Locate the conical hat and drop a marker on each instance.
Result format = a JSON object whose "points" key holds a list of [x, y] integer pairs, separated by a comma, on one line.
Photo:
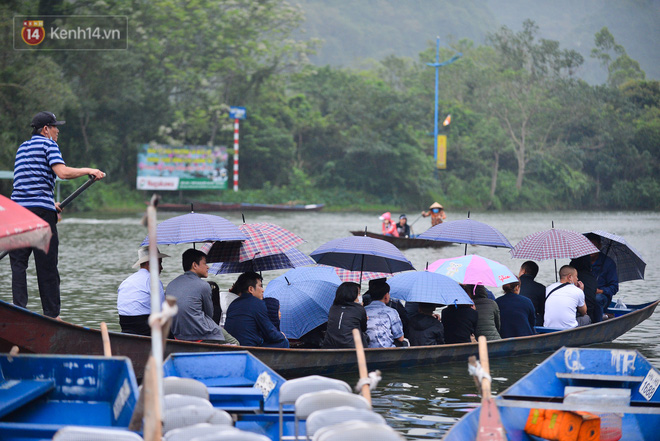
{"points": [[436, 205]]}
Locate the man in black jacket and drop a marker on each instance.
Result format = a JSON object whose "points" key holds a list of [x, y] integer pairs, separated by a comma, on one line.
{"points": [[424, 328], [531, 289]]}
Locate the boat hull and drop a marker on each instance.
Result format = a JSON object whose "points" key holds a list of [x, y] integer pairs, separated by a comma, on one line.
{"points": [[34, 333], [403, 243]]}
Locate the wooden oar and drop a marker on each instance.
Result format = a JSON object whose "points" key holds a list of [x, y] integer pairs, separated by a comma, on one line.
{"points": [[105, 336], [490, 424], [362, 364], [67, 201]]}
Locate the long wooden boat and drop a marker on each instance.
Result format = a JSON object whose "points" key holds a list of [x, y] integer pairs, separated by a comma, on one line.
{"points": [[403, 243], [40, 394], [34, 333], [608, 382], [244, 206]]}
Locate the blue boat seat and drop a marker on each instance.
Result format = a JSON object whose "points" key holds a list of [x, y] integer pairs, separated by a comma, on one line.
{"points": [[189, 432], [600, 377], [16, 393], [335, 415], [237, 399], [357, 431]]}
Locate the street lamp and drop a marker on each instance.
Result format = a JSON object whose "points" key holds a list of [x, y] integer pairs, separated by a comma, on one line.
{"points": [[437, 66]]}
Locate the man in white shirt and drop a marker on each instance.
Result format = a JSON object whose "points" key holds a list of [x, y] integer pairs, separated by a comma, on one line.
{"points": [[564, 300], [134, 296]]}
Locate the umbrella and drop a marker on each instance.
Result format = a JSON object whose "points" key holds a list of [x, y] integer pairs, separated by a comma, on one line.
{"points": [[361, 253], [356, 276], [195, 227], [630, 264], [428, 287], [288, 259], [20, 228], [305, 296], [263, 239], [553, 244], [466, 231], [474, 270]]}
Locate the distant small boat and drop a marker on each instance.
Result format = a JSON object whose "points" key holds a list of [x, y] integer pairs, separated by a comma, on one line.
{"points": [[243, 206], [609, 382], [403, 243]]}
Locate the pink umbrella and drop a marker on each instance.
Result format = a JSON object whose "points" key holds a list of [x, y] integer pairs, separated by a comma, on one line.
{"points": [[20, 228], [473, 270]]}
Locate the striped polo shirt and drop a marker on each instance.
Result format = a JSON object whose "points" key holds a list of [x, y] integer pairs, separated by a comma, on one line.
{"points": [[34, 179]]}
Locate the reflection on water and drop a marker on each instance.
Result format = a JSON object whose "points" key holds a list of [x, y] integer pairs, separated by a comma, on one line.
{"points": [[96, 254]]}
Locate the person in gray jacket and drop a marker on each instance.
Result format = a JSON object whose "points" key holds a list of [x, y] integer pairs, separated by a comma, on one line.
{"points": [[194, 321], [488, 324]]}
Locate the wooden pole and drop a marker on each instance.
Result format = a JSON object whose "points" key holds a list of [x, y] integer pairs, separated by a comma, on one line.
{"points": [[362, 363], [153, 427], [490, 424], [105, 336]]}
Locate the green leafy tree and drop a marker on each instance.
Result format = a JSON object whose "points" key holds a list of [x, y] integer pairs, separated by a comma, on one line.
{"points": [[620, 67]]}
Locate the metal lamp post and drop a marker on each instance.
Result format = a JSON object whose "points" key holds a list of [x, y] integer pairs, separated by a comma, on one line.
{"points": [[437, 66]]}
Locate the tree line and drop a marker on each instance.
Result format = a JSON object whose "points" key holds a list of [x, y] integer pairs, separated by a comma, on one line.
{"points": [[526, 133]]}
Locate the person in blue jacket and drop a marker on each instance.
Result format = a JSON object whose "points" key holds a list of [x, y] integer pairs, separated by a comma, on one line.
{"points": [[604, 270], [247, 316], [517, 314]]}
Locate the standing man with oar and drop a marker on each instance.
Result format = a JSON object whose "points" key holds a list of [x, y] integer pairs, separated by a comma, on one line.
{"points": [[38, 162]]}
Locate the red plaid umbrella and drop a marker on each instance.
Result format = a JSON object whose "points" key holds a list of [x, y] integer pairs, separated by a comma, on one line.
{"points": [[263, 239], [354, 276], [553, 244], [20, 228]]}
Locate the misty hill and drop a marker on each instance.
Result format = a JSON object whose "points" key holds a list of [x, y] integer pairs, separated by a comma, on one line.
{"points": [[356, 30]]}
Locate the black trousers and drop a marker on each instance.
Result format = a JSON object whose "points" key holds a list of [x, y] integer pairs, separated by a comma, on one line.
{"points": [[48, 277], [135, 324]]}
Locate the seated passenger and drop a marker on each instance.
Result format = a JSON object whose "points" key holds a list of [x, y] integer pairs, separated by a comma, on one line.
{"points": [[489, 313], [384, 326], [389, 227], [424, 328], [583, 267], [346, 314], [247, 317], [516, 312], [565, 299], [402, 227], [215, 298], [226, 297], [194, 319], [134, 295], [532, 289], [460, 323], [274, 313]]}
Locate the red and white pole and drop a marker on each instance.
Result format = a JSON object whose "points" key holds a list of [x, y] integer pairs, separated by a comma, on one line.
{"points": [[236, 154]]}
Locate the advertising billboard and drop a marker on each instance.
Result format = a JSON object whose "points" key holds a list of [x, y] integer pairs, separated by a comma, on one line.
{"points": [[164, 167]]}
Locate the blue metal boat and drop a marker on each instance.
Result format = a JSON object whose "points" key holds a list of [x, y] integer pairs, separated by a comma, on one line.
{"points": [[231, 378], [39, 394], [601, 381]]}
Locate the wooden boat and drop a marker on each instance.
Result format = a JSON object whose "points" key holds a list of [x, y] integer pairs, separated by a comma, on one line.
{"points": [[230, 378], [244, 206], [602, 381], [39, 394], [403, 243], [34, 333]]}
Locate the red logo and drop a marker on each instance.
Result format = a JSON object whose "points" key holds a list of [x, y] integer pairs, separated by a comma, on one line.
{"points": [[33, 32]]}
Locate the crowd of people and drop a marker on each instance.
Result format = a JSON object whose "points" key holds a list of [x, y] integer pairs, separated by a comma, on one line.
{"points": [[243, 316]]}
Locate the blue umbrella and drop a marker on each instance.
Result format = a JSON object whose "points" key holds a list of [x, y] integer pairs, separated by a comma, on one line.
{"points": [[291, 258], [466, 231], [630, 264], [195, 227], [428, 287], [305, 296], [361, 253]]}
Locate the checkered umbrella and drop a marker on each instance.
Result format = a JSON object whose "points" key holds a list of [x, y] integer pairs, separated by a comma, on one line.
{"points": [[473, 270], [466, 231], [630, 264], [354, 276], [263, 239], [288, 259], [196, 227], [553, 244], [428, 287], [305, 296]]}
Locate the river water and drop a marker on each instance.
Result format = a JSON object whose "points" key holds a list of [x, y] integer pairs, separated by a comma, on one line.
{"points": [[96, 254]]}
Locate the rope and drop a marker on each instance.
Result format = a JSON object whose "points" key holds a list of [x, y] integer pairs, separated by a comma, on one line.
{"points": [[166, 313], [477, 371], [372, 381]]}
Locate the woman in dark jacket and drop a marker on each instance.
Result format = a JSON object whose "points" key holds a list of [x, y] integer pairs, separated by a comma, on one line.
{"points": [[345, 315], [424, 329], [460, 323], [489, 313]]}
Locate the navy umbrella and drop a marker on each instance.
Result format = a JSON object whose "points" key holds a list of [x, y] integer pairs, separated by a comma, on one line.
{"points": [[291, 258], [466, 231], [361, 253], [428, 287], [630, 264]]}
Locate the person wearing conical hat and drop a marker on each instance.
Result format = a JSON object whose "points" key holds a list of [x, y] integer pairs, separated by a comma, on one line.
{"points": [[437, 213]]}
